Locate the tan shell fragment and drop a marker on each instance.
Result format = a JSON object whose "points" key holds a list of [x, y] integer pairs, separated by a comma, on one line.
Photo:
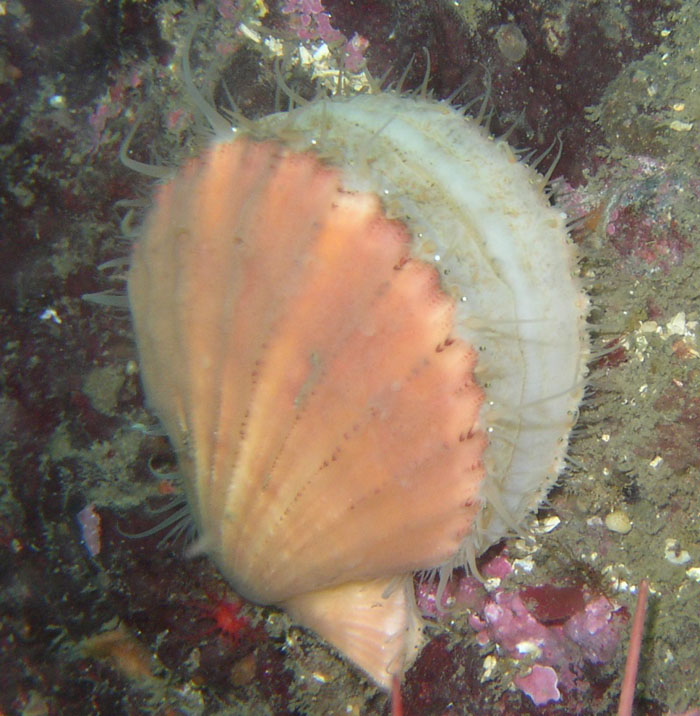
{"points": [[304, 366]]}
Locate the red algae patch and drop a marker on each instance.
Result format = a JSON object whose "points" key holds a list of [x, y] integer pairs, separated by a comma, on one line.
{"points": [[309, 304]]}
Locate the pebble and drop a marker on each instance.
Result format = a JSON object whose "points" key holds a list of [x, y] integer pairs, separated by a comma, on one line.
{"points": [[618, 521]]}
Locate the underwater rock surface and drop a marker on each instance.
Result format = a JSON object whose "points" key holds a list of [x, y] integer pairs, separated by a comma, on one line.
{"points": [[124, 625]]}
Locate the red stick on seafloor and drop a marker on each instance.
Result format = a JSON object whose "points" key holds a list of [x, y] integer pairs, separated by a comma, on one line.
{"points": [[629, 680], [396, 704]]}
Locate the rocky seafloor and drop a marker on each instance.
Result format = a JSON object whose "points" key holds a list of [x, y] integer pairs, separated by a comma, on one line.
{"points": [[96, 622]]}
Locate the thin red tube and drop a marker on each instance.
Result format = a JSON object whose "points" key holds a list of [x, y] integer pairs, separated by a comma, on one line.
{"points": [[629, 680]]}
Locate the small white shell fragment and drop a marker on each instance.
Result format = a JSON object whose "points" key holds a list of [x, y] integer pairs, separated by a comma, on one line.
{"points": [[489, 665], [250, 33], [50, 315], [676, 326], [619, 522], [674, 554], [526, 564], [678, 126], [528, 647], [492, 583], [548, 524], [693, 573], [525, 546]]}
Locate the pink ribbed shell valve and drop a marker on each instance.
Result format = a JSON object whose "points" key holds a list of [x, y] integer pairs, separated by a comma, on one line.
{"points": [[306, 368]]}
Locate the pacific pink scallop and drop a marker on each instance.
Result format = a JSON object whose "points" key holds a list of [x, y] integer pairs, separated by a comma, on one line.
{"points": [[309, 302]]}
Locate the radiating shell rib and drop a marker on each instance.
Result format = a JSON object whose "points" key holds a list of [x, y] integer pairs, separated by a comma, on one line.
{"points": [[303, 365]]}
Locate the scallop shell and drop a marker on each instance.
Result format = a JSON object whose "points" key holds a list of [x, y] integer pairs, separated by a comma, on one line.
{"points": [[305, 366]]}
